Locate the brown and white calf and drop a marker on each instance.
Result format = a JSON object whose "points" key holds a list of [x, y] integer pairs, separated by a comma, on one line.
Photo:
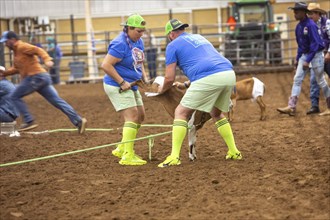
{"points": [[245, 89], [250, 88]]}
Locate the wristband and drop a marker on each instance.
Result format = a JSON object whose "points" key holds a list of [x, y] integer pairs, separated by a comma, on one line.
{"points": [[122, 83]]}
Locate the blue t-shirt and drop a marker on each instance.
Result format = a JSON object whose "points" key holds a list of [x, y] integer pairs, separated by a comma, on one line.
{"points": [[128, 68], [196, 56], [54, 51]]}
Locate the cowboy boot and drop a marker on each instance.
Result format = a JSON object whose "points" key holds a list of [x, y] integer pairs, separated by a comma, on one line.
{"points": [[327, 111], [291, 108]]}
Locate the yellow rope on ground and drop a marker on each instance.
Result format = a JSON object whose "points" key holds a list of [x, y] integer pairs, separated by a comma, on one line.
{"points": [[150, 143], [91, 129]]}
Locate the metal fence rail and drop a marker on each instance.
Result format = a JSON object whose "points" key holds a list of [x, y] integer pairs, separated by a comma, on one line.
{"points": [[257, 52]]}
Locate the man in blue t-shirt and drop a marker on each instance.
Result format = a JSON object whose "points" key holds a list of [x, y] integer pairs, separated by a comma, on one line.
{"points": [[211, 80]]}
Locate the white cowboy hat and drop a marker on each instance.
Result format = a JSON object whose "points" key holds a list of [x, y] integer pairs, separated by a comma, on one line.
{"points": [[315, 7]]}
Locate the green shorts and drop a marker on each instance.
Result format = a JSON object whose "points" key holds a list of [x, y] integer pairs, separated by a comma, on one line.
{"points": [[211, 91], [123, 100]]}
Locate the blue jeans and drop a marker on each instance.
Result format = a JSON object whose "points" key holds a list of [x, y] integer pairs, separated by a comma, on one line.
{"points": [[42, 84], [6, 117], [327, 68], [314, 90], [152, 61], [317, 67], [55, 71]]}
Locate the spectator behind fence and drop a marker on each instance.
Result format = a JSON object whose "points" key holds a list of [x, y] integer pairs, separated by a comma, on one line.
{"points": [[151, 52], [34, 78], [55, 52], [309, 55], [123, 65], [8, 112], [318, 15], [35, 42], [211, 80]]}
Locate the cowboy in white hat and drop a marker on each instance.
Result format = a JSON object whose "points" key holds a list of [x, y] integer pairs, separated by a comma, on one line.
{"points": [[318, 15], [315, 7]]}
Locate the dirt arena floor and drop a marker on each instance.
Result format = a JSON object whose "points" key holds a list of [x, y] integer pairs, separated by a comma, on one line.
{"points": [[284, 173]]}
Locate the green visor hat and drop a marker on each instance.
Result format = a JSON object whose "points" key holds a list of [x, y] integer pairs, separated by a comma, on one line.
{"points": [[173, 25], [136, 21]]}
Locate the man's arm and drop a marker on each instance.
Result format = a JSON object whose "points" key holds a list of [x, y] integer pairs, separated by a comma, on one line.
{"points": [[315, 40], [34, 50], [327, 29], [8, 72], [169, 77]]}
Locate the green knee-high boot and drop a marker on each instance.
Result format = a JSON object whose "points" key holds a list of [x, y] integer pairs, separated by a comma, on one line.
{"points": [[129, 157], [226, 133], [129, 132]]}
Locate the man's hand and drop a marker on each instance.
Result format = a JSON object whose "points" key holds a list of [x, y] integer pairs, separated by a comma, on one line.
{"points": [[49, 64], [147, 81], [179, 85], [327, 57], [305, 66], [2, 71]]}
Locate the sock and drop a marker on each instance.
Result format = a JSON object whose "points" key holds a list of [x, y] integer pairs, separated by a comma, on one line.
{"points": [[129, 133], [226, 133], [179, 132], [121, 147]]}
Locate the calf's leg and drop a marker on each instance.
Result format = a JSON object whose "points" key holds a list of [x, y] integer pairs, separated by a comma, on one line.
{"points": [[262, 108], [231, 109], [192, 131]]}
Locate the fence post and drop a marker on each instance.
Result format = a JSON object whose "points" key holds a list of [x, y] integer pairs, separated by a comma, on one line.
{"points": [[2, 55], [74, 39]]}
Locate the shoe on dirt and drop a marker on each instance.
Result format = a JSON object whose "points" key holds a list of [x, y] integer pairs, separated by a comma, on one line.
{"points": [[118, 152], [326, 112], [27, 126], [233, 156], [132, 160], [82, 126], [313, 110], [170, 161], [287, 110]]}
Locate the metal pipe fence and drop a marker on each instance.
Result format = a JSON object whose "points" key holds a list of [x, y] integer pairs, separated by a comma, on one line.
{"points": [[250, 48]]}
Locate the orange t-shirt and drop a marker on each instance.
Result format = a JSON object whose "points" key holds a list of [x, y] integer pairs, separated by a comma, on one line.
{"points": [[26, 61]]}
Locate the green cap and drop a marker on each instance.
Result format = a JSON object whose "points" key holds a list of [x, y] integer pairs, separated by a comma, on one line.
{"points": [[135, 20], [50, 39], [173, 25]]}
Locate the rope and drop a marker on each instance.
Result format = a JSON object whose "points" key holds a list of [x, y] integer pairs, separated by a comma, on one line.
{"points": [[150, 143], [91, 129]]}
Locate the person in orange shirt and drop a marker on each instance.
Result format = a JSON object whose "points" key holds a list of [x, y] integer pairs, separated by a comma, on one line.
{"points": [[34, 78]]}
